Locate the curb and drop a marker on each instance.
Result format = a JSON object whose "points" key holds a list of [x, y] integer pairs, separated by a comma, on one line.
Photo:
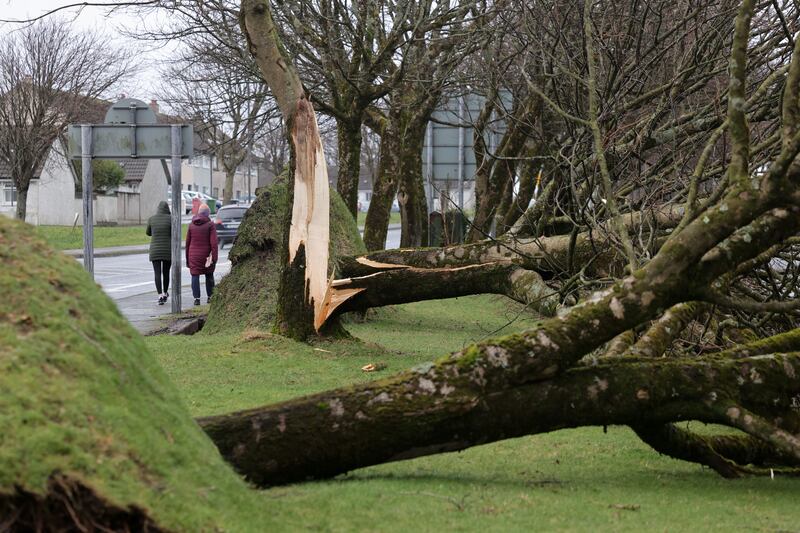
{"points": [[113, 252], [390, 226]]}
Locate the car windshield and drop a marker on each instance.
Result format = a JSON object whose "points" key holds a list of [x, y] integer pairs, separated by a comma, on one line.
{"points": [[228, 214]]}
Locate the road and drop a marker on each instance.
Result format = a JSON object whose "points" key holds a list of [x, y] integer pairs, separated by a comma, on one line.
{"points": [[128, 280]]}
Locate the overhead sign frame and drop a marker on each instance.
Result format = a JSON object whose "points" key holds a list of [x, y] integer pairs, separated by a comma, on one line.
{"points": [[131, 131]]}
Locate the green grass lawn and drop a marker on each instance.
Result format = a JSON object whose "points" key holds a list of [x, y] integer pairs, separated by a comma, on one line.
{"points": [[67, 238], [394, 218], [573, 480]]}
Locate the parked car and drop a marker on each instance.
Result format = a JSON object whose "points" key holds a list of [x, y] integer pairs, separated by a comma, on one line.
{"points": [[183, 204], [190, 195], [227, 222]]}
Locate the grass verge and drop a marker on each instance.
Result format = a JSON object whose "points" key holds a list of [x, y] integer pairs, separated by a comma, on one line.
{"points": [[69, 238], [585, 479], [394, 218]]}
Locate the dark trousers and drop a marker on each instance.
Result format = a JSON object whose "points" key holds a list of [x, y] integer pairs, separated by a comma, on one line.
{"points": [[209, 285], [161, 271]]}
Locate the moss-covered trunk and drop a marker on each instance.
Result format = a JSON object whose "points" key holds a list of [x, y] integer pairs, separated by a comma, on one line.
{"points": [[415, 414], [411, 191], [391, 286], [348, 137], [384, 189]]}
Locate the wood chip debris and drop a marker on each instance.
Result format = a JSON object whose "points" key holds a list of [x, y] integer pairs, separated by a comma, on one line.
{"points": [[625, 506]]}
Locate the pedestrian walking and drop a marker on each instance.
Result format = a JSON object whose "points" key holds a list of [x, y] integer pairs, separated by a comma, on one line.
{"points": [[201, 252], [159, 228]]}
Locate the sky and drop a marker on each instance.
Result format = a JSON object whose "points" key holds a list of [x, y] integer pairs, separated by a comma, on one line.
{"points": [[146, 83]]}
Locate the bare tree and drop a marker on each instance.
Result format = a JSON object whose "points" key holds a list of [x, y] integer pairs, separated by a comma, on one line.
{"points": [[452, 32], [216, 87], [50, 75]]}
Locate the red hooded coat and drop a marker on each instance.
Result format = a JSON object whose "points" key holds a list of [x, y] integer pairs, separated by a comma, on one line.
{"points": [[201, 241]]}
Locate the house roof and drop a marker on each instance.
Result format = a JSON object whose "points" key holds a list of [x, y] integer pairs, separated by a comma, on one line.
{"points": [[134, 168], [5, 170]]}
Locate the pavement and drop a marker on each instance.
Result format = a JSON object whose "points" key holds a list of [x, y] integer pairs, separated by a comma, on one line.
{"points": [[126, 275], [128, 280]]}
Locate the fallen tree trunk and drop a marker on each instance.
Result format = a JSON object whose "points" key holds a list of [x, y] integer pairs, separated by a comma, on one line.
{"points": [[411, 415], [546, 255], [392, 285]]}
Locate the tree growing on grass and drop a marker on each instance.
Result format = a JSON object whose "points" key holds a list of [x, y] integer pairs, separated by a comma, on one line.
{"points": [[49, 75]]}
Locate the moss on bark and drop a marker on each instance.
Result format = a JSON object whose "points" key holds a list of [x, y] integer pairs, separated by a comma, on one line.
{"points": [[247, 296]]}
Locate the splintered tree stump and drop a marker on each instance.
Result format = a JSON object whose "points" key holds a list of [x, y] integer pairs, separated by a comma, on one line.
{"points": [[304, 282]]}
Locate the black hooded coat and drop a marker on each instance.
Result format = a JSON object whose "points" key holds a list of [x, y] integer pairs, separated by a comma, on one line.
{"points": [[159, 227]]}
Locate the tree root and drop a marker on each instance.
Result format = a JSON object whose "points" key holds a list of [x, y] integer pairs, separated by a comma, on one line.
{"points": [[69, 505]]}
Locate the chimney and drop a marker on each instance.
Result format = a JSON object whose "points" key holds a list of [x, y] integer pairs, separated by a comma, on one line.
{"points": [[154, 105]]}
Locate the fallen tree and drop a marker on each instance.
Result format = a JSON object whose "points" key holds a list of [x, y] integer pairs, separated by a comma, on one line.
{"points": [[461, 400], [95, 436]]}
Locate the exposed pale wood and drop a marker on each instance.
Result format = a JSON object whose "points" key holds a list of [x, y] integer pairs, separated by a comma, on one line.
{"points": [[333, 299], [377, 264], [311, 207]]}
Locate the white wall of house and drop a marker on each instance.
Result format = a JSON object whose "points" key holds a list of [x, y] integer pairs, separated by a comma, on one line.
{"points": [[51, 196], [52, 200], [152, 189], [196, 175]]}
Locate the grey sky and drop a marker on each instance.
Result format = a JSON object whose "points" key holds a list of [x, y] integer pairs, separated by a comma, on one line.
{"points": [[145, 86]]}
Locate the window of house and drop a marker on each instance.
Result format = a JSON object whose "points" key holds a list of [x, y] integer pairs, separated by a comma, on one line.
{"points": [[188, 187], [216, 192], [8, 194], [369, 196], [205, 189], [238, 194]]}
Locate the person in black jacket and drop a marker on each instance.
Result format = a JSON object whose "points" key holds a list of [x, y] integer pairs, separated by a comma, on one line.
{"points": [[159, 227]]}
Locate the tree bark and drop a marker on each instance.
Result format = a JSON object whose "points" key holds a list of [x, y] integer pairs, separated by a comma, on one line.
{"points": [[22, 202], [412, 415], [348, 135], [496, 171], [384, 189], [227, 191], [411, 191]]}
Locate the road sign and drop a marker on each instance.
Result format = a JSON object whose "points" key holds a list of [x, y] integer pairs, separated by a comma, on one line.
{"points": [[130, 131]]}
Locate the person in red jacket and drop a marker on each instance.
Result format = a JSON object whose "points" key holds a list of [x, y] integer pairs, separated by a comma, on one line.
{"points": [[201, 252]]}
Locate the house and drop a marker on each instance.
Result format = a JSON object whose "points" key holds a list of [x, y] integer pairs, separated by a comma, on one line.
{"points": [[54, 196]]}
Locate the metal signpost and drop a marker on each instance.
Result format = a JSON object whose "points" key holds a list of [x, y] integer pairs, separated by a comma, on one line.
{"points": [[130, 131]]}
